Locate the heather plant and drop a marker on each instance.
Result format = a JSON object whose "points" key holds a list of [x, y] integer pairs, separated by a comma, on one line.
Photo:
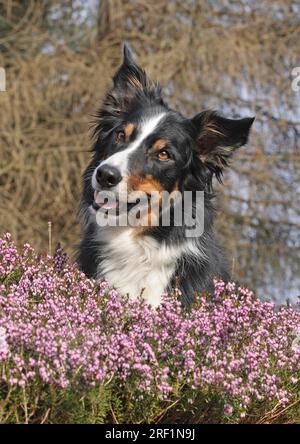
{"points": [[74, 350]]}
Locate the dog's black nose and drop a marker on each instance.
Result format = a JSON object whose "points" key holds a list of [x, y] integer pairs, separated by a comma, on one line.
{"points": [[108, 176]]}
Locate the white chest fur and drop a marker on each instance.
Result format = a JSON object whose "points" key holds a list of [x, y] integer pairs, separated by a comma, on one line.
{"points": [[134, 263]]}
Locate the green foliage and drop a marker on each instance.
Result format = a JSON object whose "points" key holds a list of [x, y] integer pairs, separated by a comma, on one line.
{"points": [[105, 404]]}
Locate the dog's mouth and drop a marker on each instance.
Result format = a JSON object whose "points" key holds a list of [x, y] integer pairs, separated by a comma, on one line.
{"points": [[101, 203], [114, 205]]}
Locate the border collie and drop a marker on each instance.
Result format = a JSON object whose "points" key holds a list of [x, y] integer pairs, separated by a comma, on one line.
{"points": [[145, 146]]}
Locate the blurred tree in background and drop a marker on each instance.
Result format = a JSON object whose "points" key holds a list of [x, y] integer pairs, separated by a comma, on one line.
{"points": [[234, 56]]}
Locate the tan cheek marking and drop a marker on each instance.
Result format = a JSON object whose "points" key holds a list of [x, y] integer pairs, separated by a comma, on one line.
{"points": [[145, 184], [176, 187], [159, 144]]}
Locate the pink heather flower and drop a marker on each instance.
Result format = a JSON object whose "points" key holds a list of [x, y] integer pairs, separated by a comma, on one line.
{"points": [[4, 349], [177, 292], [228, 410], [230, 286], [61, 328]]}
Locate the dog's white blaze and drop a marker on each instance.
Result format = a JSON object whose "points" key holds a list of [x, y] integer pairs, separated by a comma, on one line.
{"points": [[135, 264], [120, 159]]}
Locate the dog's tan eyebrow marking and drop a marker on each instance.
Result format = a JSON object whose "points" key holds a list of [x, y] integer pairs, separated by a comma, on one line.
{"points": [[159, 144], [128, 130]]}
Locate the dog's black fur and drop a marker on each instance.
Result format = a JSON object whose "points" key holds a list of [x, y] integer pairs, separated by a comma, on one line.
{"points": [[198, 150]]}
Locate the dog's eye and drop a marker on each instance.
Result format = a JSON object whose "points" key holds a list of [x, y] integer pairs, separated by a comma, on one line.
{"points": [[163, 155], [120, 136]]}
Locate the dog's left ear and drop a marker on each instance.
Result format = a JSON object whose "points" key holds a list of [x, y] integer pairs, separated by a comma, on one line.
{"points": [[217, 138], [130, 75]]}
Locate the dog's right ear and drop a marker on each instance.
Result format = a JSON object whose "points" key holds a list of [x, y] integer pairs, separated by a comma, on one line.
{"points": [[130, 83], [131, 76]]}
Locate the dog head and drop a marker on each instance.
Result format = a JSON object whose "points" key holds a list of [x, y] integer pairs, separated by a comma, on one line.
{"points": [[144, 146]]}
